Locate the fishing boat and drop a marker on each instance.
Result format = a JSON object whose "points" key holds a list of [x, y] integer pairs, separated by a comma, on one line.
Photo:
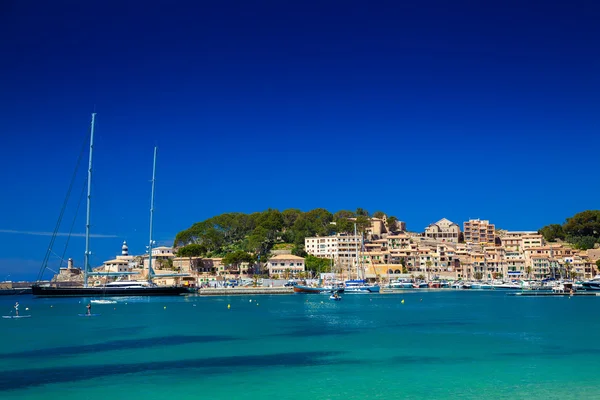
{"points": [[120, 288]]}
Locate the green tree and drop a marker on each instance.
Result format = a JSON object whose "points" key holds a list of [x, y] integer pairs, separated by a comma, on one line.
{"points": [[362, 223], [362, 212], [585, 223], [392, 223], [428, 265], [290, 216], [317, 265], [582, 242], [344, 214], [191, 250], [299, 251], [237, 258], [378, 214], [552, 232], [598, 264], [344, 225]]}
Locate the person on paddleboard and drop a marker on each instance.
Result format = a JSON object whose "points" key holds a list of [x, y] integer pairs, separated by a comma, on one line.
{"points": [[89, 309], [17, 308]]}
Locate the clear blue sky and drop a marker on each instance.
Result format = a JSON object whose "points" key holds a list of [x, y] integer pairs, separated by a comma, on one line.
{"points": [[424, 110]]}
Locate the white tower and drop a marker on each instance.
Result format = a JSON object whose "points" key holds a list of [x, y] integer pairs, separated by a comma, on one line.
{"points": [[124, 249]]}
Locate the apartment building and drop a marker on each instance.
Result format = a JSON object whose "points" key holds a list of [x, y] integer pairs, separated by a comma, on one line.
{"points": [[532, 240], [285, 265], [444, 230], [344, 249], [479, 231], [400, 241]]}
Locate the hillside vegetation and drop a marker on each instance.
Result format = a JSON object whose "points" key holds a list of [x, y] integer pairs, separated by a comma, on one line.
{"points": [[258, 233], [581, 230]]}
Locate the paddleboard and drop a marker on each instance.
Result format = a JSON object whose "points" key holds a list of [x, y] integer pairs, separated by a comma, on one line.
{"points": [[16, 316], [88, 315]]}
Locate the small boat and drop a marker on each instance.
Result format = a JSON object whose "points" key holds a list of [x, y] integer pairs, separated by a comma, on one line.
{"points": [[334, 297]]}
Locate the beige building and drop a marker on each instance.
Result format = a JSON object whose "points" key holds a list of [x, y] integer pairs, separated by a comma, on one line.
{"points": [[479, 231], [286, 265], [343, 249], [532, 240], [160, 257], [444, 230]]}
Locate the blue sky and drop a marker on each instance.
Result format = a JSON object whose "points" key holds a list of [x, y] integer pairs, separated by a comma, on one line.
{"points": [[423, 110]]}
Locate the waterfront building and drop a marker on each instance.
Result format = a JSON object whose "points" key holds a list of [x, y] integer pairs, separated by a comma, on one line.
{"points": [[444, 230], [543, 266], [479, 231], [285, 265]]}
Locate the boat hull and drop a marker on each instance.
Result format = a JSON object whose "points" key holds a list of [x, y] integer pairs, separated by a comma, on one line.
{"points": [[49, 291], [591, 286], [315, 290], [362, 289]]}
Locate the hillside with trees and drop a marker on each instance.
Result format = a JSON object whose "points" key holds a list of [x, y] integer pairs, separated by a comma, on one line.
{"points": [[243, 237], [581, 230]]}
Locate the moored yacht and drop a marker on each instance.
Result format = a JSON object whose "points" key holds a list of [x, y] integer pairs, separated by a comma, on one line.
{"points": [[360, 286], [401, 284], [592, 284]]}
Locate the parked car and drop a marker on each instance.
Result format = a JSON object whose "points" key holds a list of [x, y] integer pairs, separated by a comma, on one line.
{"points": [[290, 283]]}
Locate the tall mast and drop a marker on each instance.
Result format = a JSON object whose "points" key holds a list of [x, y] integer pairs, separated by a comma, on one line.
{"points": [[356, 247], [86, 262], [150, 270]]}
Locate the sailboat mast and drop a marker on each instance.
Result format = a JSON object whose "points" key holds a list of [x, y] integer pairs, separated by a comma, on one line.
{"points": [[86, 261], [356, 247], [150, 271]]}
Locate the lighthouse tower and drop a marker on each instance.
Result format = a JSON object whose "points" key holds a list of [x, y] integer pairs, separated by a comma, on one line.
{"points": [[124, 249]]}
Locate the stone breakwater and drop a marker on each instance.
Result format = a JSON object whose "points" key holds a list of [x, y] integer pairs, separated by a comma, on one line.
{"points": [[244, 291]]}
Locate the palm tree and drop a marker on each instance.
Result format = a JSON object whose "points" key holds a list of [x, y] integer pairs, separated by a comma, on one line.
{"points": [[568, 269], [428, 267], [528, 270]]}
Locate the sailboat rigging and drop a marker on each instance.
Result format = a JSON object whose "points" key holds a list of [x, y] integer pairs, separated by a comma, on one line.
{"points": [[118, 288]]}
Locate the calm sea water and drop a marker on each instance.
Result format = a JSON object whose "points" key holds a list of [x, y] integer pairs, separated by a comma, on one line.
{"points": [[435, 345]]}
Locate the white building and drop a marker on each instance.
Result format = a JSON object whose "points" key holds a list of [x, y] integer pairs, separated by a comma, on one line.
{"points": [[285, 264]]}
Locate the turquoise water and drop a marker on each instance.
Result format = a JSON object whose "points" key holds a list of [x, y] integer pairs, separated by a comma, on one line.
{"points": [[437, 345]]}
